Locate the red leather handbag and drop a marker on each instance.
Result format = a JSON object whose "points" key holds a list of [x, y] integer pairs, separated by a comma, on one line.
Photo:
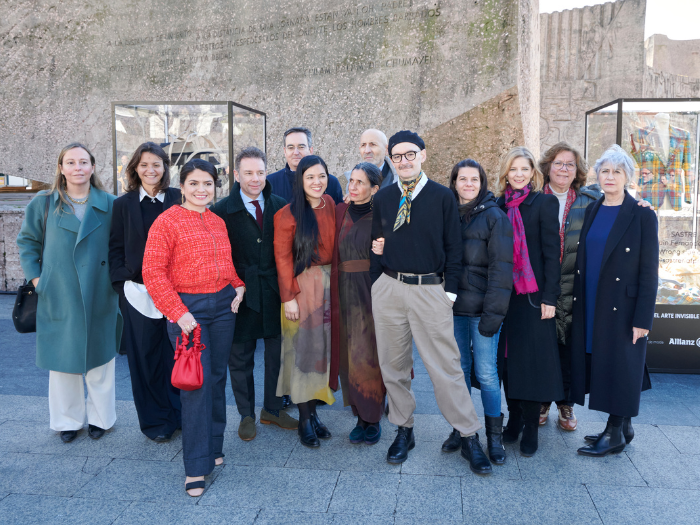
{"points": [[187, 372]]}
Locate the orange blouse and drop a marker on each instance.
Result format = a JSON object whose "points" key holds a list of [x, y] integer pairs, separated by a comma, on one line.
{"points": [[285, 228]]}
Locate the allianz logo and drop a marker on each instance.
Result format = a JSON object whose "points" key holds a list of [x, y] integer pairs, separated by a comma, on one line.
{"points": [[687, 342]]}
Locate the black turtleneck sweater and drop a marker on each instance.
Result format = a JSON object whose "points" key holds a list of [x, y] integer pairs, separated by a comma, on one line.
{"points": [[357, 211], [431, 243]]}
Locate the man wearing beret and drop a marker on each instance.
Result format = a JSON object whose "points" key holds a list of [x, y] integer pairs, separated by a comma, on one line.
{"points": [[414, 286]]}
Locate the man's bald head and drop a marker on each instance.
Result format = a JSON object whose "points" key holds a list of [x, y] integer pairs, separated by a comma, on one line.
{"points": [[373, 147]]}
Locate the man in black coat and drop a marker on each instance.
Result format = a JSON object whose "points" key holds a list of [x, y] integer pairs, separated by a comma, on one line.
{"points": [[249, 216], [298, 144], [419, 221]]}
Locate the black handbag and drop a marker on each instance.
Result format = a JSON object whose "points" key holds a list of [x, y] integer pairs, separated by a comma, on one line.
{"points": [[24, 312]]}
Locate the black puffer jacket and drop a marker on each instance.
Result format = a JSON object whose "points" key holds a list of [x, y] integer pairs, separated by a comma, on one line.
{"points": [[487, 266], [572, 232]]}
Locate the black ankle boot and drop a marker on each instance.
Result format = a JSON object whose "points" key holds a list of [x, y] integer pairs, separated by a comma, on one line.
{"points": [[398, 451], [611, 441], [494, 439], [627, 432], [307, 434], [474, 454], [528, 443], [512, 430], [321, 430], [452, 443]]}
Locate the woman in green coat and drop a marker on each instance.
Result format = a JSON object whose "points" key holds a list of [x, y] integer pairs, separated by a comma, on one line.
{"points": [[78, 325]]}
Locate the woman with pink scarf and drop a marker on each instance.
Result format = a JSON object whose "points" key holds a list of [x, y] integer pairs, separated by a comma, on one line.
{"points": [[527, 349]]}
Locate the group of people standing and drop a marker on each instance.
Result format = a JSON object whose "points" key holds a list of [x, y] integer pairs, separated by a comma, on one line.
{"points": [[549, 288]]}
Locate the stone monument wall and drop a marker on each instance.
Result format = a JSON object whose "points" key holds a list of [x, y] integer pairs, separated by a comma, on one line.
{"points": [[336, 67]]}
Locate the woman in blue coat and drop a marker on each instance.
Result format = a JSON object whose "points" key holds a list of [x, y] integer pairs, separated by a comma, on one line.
{"points": [[78, 325], [614, 300]]}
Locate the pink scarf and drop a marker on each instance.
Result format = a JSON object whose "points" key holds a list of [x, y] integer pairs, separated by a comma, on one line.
{"points": [[523, 277]]}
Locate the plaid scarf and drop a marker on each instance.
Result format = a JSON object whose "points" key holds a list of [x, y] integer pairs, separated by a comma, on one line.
{"points": [[570, 198], [523, 276], [404, 214]]}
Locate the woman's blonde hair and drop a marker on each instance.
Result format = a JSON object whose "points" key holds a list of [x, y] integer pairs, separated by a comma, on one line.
{"points": [[59, 182], [537, 180]]}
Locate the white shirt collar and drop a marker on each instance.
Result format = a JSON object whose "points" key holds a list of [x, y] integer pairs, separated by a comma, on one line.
{"points": [[143, 195], [247, 199], [422, 181]]}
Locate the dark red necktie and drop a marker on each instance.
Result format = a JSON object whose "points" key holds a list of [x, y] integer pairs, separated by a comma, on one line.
{"points": [[258, 213]]}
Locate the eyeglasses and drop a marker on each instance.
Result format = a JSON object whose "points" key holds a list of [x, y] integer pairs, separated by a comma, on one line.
{"points": [[409, 156], [561, 166]]}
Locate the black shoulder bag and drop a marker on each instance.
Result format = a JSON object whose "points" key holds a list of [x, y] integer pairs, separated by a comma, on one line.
{"points": [[24, 312]]}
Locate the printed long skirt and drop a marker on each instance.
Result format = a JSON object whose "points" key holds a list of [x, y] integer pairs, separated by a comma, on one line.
{"points": [[306, 343]]}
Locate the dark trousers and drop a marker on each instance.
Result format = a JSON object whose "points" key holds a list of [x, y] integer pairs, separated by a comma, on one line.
{"points": [[241, 363], [565, 361], [150, 356], [204, 409]]}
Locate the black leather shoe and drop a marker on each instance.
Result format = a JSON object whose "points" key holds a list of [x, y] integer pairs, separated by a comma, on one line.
{"points": [[95, 432], [286, 402], [307, 435], [68, 435], [163, 438], [398, 451], [474, 454], [611, 441], [494, 439], [627, 432], [528, 443], [452, 443], [321, 430]]}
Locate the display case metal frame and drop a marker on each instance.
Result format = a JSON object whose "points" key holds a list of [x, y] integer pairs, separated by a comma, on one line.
{"points": [[230, 105]]}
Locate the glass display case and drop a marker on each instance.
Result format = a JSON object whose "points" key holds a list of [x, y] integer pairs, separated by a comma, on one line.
{"points": [[213, 131], [661, 136]]}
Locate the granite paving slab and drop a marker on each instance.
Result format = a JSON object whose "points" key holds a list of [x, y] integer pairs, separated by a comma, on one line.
{"points": [[685, 439], [268, 449], [358, 519], [645, 505], [51, 475], [286, 517], [676, 471], [290, 489], [132, 480], [429, 497], [30, 508], [666, 413], [128, 443], [153, 513], [25, 408], [508, 501], [37, 438], [365, 493]]}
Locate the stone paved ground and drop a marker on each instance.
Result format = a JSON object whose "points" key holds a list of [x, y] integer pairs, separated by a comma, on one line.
{"points": [[125, 478]]}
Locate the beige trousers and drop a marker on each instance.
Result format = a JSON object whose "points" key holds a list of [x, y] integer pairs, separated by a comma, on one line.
{"points": [[68, 407], [403, 313]]}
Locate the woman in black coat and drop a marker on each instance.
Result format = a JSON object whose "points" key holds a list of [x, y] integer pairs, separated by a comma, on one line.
{"points": [[145, 337], [483, 294], [614, 300], [527, 347]]}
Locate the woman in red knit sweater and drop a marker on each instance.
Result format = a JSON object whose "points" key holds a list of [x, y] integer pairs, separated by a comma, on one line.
{"points": [[189, 273]]}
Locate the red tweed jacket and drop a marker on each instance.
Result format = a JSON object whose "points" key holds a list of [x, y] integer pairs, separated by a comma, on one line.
{"points": [[186, 252]]}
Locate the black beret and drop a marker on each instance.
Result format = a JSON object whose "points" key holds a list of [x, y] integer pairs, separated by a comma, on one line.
{"points": [[406, 136]]}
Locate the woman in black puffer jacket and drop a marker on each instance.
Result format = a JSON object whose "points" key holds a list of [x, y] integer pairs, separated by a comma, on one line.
{"points": [[483, 295]]}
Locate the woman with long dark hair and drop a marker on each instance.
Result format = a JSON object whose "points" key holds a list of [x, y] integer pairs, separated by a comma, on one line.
{"points": [[483, 294], [351, 294], [145, 337], [304, 235], [188, 270]]}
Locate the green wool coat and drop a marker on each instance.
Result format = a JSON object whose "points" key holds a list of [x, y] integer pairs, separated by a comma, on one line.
{"points": [[254, 258], [78, 324]]}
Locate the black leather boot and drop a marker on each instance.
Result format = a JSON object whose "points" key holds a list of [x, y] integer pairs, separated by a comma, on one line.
{"points": [[307, 434], [494, 439], [611, 441], [627, 432], [321, 430], [398, 451], [474, 454], [452, 443], [512, 430], [531, 428]]}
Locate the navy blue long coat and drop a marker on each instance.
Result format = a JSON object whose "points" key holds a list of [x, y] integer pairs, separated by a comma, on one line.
{"points": [[626, 298]]}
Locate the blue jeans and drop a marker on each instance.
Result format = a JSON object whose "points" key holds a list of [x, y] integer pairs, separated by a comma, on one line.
{"points": [[485, 357], [204, 409]]}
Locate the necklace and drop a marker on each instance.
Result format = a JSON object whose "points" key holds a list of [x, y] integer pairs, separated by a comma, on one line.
{"points": [[323, 202], [75, 201]]}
